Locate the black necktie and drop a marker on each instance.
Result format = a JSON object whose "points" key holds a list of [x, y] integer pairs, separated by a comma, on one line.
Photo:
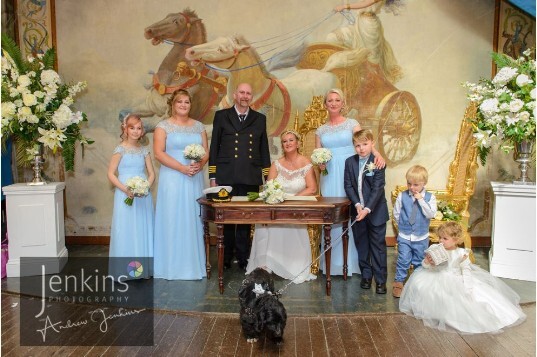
{"points": [[241, 117]]}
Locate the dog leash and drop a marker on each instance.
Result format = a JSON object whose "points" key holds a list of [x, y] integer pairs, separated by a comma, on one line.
{"points": [[334, 242]]}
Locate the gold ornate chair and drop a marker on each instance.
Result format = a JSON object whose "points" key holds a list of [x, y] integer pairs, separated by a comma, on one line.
{"points": [[314, 116], [461, 181]]}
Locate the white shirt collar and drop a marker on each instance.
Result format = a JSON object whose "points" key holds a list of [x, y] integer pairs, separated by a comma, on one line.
{"points": [[239, 113]]}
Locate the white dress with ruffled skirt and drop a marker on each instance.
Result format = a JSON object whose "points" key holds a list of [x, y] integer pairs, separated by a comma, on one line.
{"points": [[460, 296]]}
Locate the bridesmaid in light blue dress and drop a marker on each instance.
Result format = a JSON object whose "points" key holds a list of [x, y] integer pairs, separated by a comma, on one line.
{"points": [[179, 240], [131, 235], [336, 135]]}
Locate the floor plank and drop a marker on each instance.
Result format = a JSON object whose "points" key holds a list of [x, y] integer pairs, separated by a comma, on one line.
{"points": [[349, 339], [205, 334], [317, 337], [333, 337], [486, 345], [201, 329], [365, 339], [217, 336], [408, 337], [232, 336], [303, 337], [395, 342], [289, 339]]}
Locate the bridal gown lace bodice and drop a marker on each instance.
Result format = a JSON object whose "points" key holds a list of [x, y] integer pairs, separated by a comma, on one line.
{"points": [[293, 181], [284, 248]]}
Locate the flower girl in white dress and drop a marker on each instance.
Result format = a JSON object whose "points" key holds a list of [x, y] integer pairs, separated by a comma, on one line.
{"points": [[458, 295], [285, 249]]}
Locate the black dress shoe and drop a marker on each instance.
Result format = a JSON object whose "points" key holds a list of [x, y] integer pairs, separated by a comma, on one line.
{"points": [[381, 288], [243, 265], [365, 283]]}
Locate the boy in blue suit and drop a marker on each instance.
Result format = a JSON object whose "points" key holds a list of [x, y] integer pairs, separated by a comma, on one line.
{"points": [[413, 211], [364, 185]]}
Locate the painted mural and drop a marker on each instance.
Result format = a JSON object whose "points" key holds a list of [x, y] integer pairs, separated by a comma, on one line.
{"points": [[400, 67], [355, 57]]}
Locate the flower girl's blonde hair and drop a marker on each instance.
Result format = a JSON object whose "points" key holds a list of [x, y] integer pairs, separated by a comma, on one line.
{"points": [[451, 229], [124, 124]]}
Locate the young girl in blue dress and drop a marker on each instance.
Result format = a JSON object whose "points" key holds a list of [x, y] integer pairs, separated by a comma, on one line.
{"points": [[457, 295], [131, 236]]}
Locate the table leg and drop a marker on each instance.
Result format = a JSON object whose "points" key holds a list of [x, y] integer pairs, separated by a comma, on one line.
{"points": [[220, 255], [207, 238], [345, 249], [327, 256]]}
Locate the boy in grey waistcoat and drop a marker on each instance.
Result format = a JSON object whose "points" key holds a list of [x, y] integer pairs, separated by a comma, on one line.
{"points": [[412, 211]]}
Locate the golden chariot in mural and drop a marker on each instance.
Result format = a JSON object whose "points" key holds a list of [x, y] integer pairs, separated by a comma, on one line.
{"points": [[394, 116]]}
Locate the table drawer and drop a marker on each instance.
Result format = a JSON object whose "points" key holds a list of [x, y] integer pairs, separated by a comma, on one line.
{"points": [[249, 215], [298, 215]]}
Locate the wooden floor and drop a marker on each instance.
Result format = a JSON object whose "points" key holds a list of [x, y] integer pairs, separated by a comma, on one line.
{"points": [[219, 334]]}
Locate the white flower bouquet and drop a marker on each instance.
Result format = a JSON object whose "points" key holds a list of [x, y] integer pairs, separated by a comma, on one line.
{"points": [[138, 186], [272, 193], [321, 156], [506, 104], [36, 105], [194, 152]]}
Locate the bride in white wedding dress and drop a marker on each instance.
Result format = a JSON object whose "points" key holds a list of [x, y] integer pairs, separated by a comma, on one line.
{"points": [[285, 249]]}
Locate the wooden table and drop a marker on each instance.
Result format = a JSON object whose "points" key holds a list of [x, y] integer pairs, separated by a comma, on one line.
{"points": [[325, 211]]}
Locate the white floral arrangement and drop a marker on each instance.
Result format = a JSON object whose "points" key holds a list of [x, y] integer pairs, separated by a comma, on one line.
{"points": [[506, 104], [321, 156], [138, 186], [194, 152], [272, 193], [37, 105], [446, 212]]}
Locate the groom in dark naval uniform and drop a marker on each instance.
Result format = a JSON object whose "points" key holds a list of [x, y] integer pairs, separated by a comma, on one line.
{"points": [[239, 157]]}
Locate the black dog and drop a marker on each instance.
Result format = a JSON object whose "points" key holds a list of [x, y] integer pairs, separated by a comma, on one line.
{"points": [[260, 308]]}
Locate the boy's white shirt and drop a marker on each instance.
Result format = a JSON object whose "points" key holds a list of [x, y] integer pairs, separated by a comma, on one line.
{"points": [[360, 195]]}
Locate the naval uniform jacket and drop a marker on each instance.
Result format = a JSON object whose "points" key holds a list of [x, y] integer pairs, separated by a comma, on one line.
{"points": [[239, 152]]}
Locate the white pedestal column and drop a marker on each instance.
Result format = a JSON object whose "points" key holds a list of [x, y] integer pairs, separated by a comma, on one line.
{"points": [[512, 254], [35, 227]]}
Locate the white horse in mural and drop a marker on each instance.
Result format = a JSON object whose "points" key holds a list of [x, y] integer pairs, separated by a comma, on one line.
{"points": [[182, 30], [278, 99]]}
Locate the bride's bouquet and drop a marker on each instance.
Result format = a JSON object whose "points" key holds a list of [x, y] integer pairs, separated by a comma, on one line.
{"points": [[321, 156], [272, 193], [194, 152], [138, 186]]}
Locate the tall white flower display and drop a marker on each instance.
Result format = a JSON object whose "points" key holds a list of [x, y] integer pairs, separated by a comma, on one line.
{"points": [[506, 104], [37, 105]]}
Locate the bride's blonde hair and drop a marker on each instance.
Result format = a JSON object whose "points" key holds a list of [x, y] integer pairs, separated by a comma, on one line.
{"points": [[297, 136]]}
